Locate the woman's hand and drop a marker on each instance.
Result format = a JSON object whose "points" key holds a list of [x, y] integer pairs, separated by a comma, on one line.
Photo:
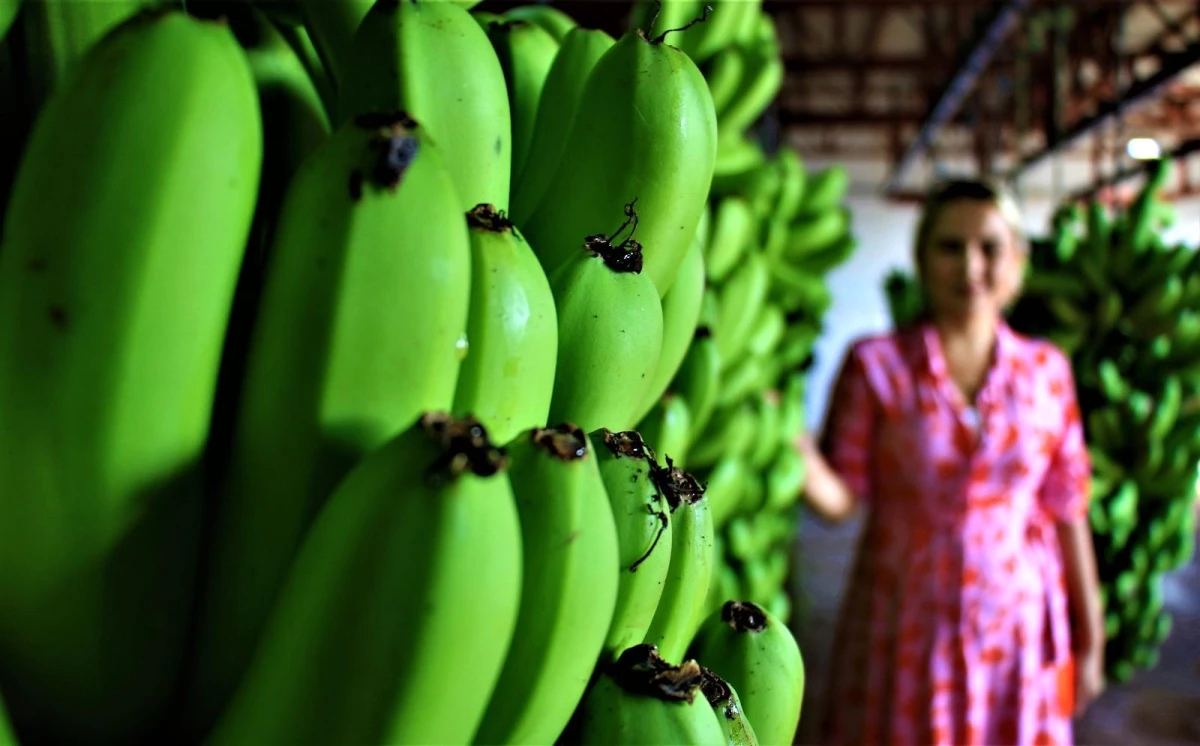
{"points": [[1089, 677]]}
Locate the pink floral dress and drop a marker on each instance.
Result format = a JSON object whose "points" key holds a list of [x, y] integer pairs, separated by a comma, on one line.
{"points": [[955, 628]]}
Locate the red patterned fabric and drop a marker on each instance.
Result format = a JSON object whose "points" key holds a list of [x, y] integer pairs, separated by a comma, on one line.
{"points": [[955, 627]]}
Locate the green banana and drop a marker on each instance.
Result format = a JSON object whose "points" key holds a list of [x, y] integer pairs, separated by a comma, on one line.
{"points": [[740, 380], [526, 52], [825, 190], [667, 427], [609, 333], [728, 707], [576, 57], [681, 316], [644, 534], [724, 489], [724, 75], [761, 80], [641, 700], [681, 606], [814, 233], [56, 35], [767, 331], [718, 32], [737, 157], [6, 733], [512, 331], [399, 64], [741, 298], [729, 432], [8, 14], [557, 23], [380, 615], [785, 478], [792, 183], [754, 651], [332, 25], [661, 16], [569, 588], [350, 266], [766, 444], [644, 131], [117, 275], [734, 227], [698, 380]]}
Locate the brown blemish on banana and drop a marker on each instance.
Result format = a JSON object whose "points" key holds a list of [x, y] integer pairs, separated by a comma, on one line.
{"points": [[58, 317], [627, 444], [715, 689], [566, 442], [676, 485], [703, 332], [464, 448], [486, 217], [641, 670], [744, 616], [392, 150]]}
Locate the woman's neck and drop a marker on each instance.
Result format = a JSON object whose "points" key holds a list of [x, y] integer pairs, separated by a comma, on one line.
{"points": [[973, 335]]}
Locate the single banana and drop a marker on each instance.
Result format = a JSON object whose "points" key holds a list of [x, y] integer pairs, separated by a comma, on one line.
{"points": [[766, 444], [815, 232], [741, 298], [643, 526], [681, 608], [724, 489], [728, 707], [826, 190], [767, 331], [681, 315], [641, 700], [748, 29], [380, 615], [724, 75], [716, 34], [569, 588], [332, 25], [667, 427], [737, 157], [757, 655], [762, 80], [399, 64], [553, 20], [729, 432], [644, 131], [734, 226], [526, 52], [698, 380], [117, 275], [793, 180], [383, 319], [740, 380], [609, 333], [512, 331], [785, 478], [576, 57]]}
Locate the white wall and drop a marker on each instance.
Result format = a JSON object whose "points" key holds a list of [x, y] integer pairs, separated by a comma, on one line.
{"points": [[884, 232]]}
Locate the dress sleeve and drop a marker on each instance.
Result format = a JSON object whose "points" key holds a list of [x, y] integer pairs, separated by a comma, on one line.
{"points": [[1067, 486], [849, 424]]}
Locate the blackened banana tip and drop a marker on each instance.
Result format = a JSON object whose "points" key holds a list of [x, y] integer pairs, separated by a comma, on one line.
{"points": [[744, 616]]}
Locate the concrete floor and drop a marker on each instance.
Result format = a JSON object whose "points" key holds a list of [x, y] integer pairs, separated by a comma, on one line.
{"points": [[1159, 707]]}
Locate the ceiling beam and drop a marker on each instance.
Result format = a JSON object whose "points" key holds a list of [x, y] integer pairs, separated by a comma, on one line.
{"points": [[1181, 152], [1138, 93], [961, 84]]}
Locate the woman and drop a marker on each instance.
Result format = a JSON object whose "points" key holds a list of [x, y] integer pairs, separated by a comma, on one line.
{"points": [[973, 611]]}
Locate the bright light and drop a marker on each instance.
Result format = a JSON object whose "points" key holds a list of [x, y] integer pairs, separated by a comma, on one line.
{"points": [[1143, 149]]}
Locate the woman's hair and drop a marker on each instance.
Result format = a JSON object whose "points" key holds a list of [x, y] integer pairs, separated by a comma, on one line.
{"points": [[983, 190]]}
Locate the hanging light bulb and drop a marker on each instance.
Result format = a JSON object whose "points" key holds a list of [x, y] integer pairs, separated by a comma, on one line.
{"points": [[1143, 149]]}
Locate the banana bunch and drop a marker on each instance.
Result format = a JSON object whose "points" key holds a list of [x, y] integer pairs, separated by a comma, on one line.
{"points": [[378, 377], [1126, 306]]}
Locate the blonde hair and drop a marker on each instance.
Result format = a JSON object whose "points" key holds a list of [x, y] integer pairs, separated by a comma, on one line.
{"points": [[986, 190]]}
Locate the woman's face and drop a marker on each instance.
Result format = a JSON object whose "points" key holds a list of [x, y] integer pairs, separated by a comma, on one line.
{"points": [[971, 263]]}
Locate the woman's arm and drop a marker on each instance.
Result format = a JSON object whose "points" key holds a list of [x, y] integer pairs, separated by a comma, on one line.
{"points": [[1087, 616], [825, 492]]}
